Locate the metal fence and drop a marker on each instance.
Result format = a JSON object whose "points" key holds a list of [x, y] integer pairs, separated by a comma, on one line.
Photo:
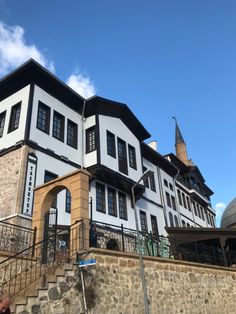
{"points": [[118, 238], [22, 269], [15, 238]]}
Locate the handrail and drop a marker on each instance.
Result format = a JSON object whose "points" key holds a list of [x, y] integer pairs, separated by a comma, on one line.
{"points": [[17, 274], [34, 245], [14, 225]]}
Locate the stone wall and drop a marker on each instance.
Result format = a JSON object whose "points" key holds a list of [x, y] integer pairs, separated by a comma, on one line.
{"points": [[113, 286], [12, 174]]}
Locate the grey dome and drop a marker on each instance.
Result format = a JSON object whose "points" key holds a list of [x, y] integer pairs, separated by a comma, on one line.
{"points": [[229, 215]]}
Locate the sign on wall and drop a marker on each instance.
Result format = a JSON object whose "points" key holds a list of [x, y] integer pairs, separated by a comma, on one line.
{"points": [[29, 185]]}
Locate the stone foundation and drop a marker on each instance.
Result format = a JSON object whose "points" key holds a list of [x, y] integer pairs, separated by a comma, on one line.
{"points": [[113, 286]]}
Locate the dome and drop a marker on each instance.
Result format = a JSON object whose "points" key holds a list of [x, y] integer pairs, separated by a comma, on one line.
{"points": [[229, 215]]}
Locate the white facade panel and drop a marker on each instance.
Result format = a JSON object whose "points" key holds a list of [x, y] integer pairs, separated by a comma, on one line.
{"points": [[155, 196], [90, 159], [119, 129], [9, 139], [47, 140]]}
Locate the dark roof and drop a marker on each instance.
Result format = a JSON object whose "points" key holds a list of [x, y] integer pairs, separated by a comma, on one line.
{"points": [[177, 162], [157, 159], [103, 106], [32, 72]]}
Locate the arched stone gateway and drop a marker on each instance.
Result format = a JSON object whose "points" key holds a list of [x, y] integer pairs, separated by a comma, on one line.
{"points": [[77, 183]]}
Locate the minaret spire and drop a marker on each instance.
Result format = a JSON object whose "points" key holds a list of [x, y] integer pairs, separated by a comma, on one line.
{"points": [[180, 146]]}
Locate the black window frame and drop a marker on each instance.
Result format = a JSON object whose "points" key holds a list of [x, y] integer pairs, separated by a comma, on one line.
{"points": [[152, 182], [43, 118], [132, 157], [90, 137], [154, 225], [179, 197], [72, 134], [14, 121], [122, 202], [111, 144], [59, 135], [173, 202], [165, 183], [168, 201], [145, 180], [143, 221], [2, 122], [100, 198], [122, 156], [52, 176], [68, 202], [171, 219], [111, 202]]}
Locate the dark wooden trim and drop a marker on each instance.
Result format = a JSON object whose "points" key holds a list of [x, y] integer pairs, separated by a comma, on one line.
{"points": [[153, 202], [29, 113], [97, 138]]}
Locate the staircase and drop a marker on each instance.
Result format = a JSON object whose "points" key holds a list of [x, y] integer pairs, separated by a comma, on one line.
{"points": [[29, 272], [30, 296]]}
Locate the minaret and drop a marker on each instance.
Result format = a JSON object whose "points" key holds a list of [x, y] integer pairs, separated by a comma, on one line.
{"points": [[180, 146]]}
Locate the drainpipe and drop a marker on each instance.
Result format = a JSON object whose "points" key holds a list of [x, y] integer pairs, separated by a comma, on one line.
{"points": [[82, 131], [161, 194], [176, 197]]}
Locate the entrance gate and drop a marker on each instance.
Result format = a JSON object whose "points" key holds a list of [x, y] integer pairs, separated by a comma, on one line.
{"points": [[50, 240]]}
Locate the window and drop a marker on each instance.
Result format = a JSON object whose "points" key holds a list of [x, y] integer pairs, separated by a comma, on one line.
{"points": [[154, 226], [122, 156], [112, 209], [90, 140], [198, 211], [202, 213], [143, 221], [43, 119], [184, 200], [145, 180], [58, 126], [2, 122], [132, 157], [179, 197], [68, 202], [173, 202], [15, 117], [122, 206], [171, 186], [49, 176], [72, 134], [152, 182], [168, 199], [188, 203], [176, 221], [165, 183], [111, 144], [171, 219], [183, 223], [100, 198], [194, 207]]}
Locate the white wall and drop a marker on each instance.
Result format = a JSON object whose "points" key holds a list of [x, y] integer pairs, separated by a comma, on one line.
{"points": [[9, 139], [47, 140], [119, 129], [105, 217], [154, 196], [90, 159]]}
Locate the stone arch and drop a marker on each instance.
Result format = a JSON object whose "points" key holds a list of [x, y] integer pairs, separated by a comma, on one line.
{"points": [[77, 183]]}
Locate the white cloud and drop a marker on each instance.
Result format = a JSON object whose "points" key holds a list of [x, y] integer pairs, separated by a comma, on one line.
{"points": [[81, 84], [219, 207], [14, 50]]}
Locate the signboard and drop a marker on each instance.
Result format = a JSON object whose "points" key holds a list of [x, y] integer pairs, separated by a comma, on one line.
{"points": [[87, 262]]}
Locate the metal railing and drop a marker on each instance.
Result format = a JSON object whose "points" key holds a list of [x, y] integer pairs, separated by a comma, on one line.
{"points": [[113, 237], [22, 269], [15, 238], [118, 238]]}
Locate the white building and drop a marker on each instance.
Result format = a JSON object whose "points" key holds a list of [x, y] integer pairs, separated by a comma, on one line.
{"points": [[43, 135]]}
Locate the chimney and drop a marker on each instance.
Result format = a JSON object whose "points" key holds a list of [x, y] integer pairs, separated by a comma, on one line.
{"points": [[153, 145]]}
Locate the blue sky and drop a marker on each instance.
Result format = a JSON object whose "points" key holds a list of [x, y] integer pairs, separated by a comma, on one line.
{"points": [[161, 57]]}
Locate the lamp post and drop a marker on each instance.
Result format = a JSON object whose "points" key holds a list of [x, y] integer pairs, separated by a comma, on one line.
{"points": [[145, 175]]}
